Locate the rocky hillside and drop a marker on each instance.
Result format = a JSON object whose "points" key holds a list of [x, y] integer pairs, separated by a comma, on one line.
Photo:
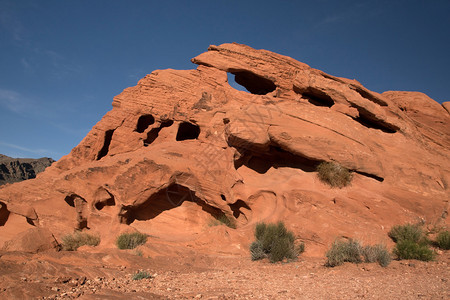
{"points": [[183, 148], [18, 169]]}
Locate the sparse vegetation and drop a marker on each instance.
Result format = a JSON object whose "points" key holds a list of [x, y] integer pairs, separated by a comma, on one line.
{"points": [[275, 242], [334, 174], [352, 251], [411, 242], [443, 240], [409, 232], [130, 240], [71, 242], [376, 253], [141, 275], [407, 249], [343, 251], [223, 220]]}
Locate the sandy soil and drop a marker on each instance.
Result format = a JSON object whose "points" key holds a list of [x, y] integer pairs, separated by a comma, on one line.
{"points": [[87, 275]]}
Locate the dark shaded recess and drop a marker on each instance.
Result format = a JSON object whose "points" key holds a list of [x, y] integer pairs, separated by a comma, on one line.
{"points": [[143, 123], [316, 97], [4, 214], [236, 208], [255, 84], [276, 158], [109, 202], [187, 131], [4, 169], [154, 132], [166, 199], [223, 197], [79, 204], [104, 151], [30, 221], [378, 178], [370, 97], [368, 120], [70, 200]]}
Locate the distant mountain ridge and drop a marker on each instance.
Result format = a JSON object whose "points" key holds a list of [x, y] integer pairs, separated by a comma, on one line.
{"points": [[19, 169]]}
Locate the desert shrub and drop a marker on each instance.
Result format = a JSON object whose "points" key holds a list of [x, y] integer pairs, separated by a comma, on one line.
{"points": [[223, 220], [334, 174], [130, 240], [141, 275], [376, 253], [71, 242], [409, 232], [273, 241], [443, 240], [300, 248], [344, 251], [408, 249]]}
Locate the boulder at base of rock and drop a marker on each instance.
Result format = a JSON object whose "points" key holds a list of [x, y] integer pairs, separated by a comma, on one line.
{"points": [[33, 240]]}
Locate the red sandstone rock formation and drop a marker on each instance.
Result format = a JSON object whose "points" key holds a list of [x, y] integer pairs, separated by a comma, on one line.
{"points": [[183, 148]]}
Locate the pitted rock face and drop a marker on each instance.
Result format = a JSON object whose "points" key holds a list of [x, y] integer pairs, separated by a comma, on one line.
{"points": [[183, 148]]}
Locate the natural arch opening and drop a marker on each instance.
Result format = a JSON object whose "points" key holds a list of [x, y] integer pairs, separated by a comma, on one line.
{"points": [[4, 214], [166, 199], [253, 83], [154, 132]]}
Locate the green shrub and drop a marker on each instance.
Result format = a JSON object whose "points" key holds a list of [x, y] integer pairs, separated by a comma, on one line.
{"points": [[130, 240], [334, 174], [344, 251], [71, 242], [275, 242], [409, 232], [407, 249], [443, 240], [376, 253], [223, 220], [141, 275]]}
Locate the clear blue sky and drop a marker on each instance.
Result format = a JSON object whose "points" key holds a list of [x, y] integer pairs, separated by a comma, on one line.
{"points": [[62, 62]]}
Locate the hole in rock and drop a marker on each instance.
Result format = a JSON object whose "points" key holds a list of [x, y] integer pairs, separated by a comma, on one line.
{"points": [[316, 97], [167, 199], [107, 141], [187, 131], [154, 132], [4, 214], [236, 208], [223, 197], [276, 158], [101, 204], [30, 221], [253, 83], [368, 120], [81, 209], [143, 123]]}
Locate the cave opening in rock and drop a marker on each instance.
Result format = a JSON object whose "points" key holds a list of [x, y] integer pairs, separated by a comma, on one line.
{"points": [[237, 206], [154, 132], [166, 199], [187, 131], [143, 122], [275, 158], [253, 83], [368, 120], [316, 97], [108, 202], [4, 214], [80, 206], [107, 141]]}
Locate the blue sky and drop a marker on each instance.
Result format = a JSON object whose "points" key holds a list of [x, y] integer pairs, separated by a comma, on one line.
{"points": [[62, 62]]}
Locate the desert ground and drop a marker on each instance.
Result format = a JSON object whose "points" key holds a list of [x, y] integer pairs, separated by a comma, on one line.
{"points": [[88, 274]]}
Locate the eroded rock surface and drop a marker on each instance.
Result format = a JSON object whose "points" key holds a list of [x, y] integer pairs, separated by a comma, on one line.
{"points": [[183, 148]]}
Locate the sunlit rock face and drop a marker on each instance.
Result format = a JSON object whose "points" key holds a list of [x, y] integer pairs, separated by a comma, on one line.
{"points": [[183, 148]]}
